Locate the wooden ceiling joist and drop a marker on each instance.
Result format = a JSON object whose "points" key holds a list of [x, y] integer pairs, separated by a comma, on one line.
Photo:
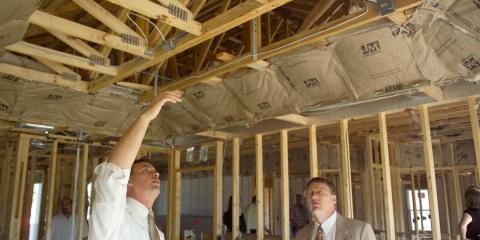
{"points": [[174, 14], [313, 35], [316, 13], [115, 24], [42, 77], [70, 28], [233, 17], [60, 57], [59, 68]]}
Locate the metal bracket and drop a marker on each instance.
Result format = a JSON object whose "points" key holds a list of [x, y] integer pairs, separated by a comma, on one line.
{"points": [[254, 39], [129, 39], [386, 6], [70, 76], [178, 12], [97, 60]]}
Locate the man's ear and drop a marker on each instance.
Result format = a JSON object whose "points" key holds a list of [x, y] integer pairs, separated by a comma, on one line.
{"points": [[129, 184]]}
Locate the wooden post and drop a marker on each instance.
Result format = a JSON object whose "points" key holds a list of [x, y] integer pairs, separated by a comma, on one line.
{"points": [[82, 190], [259, 185], [456, 186], [19, 185], [371, 182], [399, 193], [312, 130], [387, 181], [346, 171], [174, 195], [236, 188], [447, 205], [94, 178], [217, 191], [6, 186], [51, 189], [285, 186], [430, 168], [415, 214], [475, 132]]}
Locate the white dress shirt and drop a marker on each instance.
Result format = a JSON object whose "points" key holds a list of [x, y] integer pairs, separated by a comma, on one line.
{"points": [[114, 215], [251, 216], [328, 227], [62, 228]]}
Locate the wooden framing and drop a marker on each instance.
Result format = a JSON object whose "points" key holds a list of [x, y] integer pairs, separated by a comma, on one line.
{"points": [[235, 188], [430, 168], [284, 196], [387, 181], [51, 189], [318, 11], [472, 109], [218, 190], [312, 134], [174, 196], [346, 178], [82, 190], [260, 185]]}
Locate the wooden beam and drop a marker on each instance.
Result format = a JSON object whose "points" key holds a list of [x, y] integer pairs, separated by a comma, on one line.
{"points": [[316, 13], [136, 86], [174, 196], [42, 77], [327, 30], [235, 188], [295, 118], [260, 185], [235, 16], [78, 45], [60, 69], [284, 188], [258, 65], [82, 190], [218, 190], [433, 92], [216, 134], [74, 29], [60, 57], [387, 181], [104, 16], [371, 181], [19, 186], [150, 9], [398, 18], [347, 204], [473, 112], [51, 190], [312, 135], [430, 169]]}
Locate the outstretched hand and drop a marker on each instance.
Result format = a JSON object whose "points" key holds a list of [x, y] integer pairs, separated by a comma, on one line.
{"points": [[157, 103]]}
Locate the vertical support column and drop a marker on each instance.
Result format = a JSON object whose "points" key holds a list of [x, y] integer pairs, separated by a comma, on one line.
{"points": [[6, 186], [430, 168], [400, 220], [235, 188], [174, 194], [413, 195], [94, 178], [259, 185], [387, 181], [312, 133], [285, 185], [447, 205], [371, 181], [346, 171], [51, 189], [218, 191], [82, 191], [472, 108], [19, 185], [456, 186]]}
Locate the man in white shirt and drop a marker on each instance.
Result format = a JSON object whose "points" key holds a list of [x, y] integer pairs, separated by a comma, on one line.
{"points": [[62, 224], [125, 191], [327, 223], [251, 216]]}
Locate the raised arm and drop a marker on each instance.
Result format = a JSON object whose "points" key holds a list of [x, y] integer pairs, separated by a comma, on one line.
{"points": [[462, 226], [125, 151]]}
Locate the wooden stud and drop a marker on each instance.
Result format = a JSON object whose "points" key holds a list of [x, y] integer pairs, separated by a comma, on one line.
{"points": [[19, 185], [82, 190], [6, 185], [430, 168], [312, 134], [51, 189], [347, 204], [78, 45], [456, 184], [260, 185], [236, 188], [447, 205], [174, 196], [472, 109], [387, 181], [415, 214], [218, 190], [285, 185], [316, 13], [371, 181], [59, 68]]}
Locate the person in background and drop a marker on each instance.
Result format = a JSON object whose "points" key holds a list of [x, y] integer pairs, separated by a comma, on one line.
{"points": [[63, 226], [469, 226], [251, 215], [298, 215], [227, 218]]}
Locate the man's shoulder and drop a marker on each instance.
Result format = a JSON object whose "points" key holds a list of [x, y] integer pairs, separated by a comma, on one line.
{"points": [[305, 232]]}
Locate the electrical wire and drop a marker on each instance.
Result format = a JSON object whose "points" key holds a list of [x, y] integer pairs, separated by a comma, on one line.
{"points": [[148, 20]]}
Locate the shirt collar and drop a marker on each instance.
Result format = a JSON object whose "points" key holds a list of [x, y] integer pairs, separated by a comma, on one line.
{"points": [[137, 207], [329, 224]]}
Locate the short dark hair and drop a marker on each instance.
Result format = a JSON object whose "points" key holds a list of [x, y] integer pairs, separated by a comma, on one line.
{"points": [[324, 181], [472, 197], [141, 160]]}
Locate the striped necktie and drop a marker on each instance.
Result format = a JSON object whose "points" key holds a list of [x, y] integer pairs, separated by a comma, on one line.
{"points": [[320, 234], [152, 228]]}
